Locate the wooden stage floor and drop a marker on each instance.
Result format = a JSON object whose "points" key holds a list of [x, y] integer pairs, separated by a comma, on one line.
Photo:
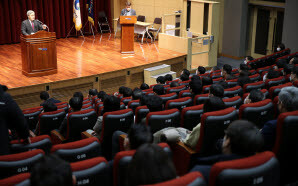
{"points": [[81, 59]]}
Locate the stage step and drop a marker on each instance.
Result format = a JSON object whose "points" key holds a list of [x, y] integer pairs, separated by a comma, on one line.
{"points": [[151, 74]]}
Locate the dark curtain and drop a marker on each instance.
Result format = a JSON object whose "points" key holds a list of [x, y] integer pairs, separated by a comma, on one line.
{"points": [[57, 14]]}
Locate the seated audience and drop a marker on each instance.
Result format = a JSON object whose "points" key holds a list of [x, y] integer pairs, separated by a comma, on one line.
{"points": [[101, 95], [254, 96], [174, 84], [51, 170], [287, 102], [287, 70], [144, 100], [281, 63], [243, 79], [243, 67], [154, 104], [271, 75], [137, 94], [201, 70], [186, 72], [144, 86], [159, 90], [169, 77], [46, 97], [247, 59], [47, 107], [294, 61], [206, 80], [149, 165], [161, 80], [121, 89], [280, 47], [92, 92], [294, 74], [195, 87], [127, 92], [184, 77], [242, 139], [216, 90], [227, 72], [79, 95]]}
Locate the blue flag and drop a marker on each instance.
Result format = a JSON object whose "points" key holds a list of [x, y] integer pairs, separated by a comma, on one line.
{"points": [[90, 8]]}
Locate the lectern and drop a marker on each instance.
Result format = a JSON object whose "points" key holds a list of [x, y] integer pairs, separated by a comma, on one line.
{"points": [[39, 54], [127, 33]]}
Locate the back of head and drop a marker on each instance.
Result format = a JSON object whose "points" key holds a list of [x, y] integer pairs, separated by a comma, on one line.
{"points": [[139, 135], [184, 77], [245, 138], [243, 80], [137, 94], [159, 89], [282, 46], [111, 103], [227, 68], [195, 87], [44, 95], [121, 89], [161, 80], [51, 171], [79, 95], [201, 70], [144, 100], [256, 96], [186, 72], [243, 67], [76, 103], [144, 86], [288, 97], [213, 104], [149, 165], [154, 103], [281, 63], [174, 84], [217, 90], [287, 69], [101, 95], [49, 106], [127, 92], [295, 61], [169, 77], [206, 80], [93, 92], [273, 74]]}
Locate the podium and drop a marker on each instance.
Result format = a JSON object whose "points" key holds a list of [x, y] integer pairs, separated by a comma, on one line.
{"points": [[39, 54], [127, 34]]}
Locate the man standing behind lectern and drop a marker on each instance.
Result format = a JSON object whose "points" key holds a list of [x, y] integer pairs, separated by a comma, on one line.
{"points": [[128, 11], [31, 26]]}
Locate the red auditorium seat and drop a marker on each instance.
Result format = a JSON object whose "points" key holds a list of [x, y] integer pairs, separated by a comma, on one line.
{"points": [[212, 129], [215, 76], [148, 90], [235, 102], [251, 86], [87, 106], [91, 172], [20, 180], [260, 70], [185, 93], [133, 104], [216, 72], [78, 150], [258, 113], [162, 119], [167, 97], [265, 92], [176, 89], [232, 92], [18, 163], [61, 103], [49, 121], [77, 122], [179, 103], [216, 80], [206, 89], [275, 82], [255, 78], [253, 72], [39, 142], [63, 107], [186, 83], [191, 116], [192, 178], [274, 91], [260, 169], [126, 100], [232, 83], [101, 109], [285, 143], [235, 71], [140, 113], [31, 116], [200, 99]]}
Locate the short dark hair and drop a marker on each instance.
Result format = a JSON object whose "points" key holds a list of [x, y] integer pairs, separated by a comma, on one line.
{"points": [[282, 46], [49, 106], [138, 135], [217, 90], [186, 72], [144, 99], [174, 84], [137, 94], [93, 92], [51, 170], [295, 71], [121, 89], [169, 77], [184, 77], [159, 89], [288, 96], [111, 103], [256, 96], [201, 70], [273, 74], [154, 103], [44, 95], [227, 68], [288, 68], [75, 103], [295, 61], [101, 95], [243, 80], [161, 80], [127, 92], [196, 87], [79, 95], [144, 86], [244, 67], [213, 104], [4, 87], [245, 138], [281, 63], [206, 80], [149, 165], [128, 3]]}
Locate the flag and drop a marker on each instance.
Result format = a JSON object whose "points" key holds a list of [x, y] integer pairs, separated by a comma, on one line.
{"points": [[90, 8], [77, 15]]}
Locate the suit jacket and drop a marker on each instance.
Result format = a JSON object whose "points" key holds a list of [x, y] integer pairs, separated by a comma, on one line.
{"points": [[269, 134], [27, 27], [124, 11]]}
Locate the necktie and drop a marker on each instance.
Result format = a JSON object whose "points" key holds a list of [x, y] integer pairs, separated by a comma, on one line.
{"points": [[32, 25]]}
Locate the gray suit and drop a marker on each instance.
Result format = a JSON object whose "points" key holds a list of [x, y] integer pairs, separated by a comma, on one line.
{"points": [[124, 12], [27, 27]]}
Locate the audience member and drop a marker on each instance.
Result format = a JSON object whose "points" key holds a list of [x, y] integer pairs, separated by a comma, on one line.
{"points": [[159, 90], [201, 70], [121, 89], [127, 92], [186, 72], [174, 84], [280, 47], [287, 69], [243, 67], [294, 74], [227, 72], [161, 80], [294, 61], [101, 95], [206, 80], [137, 94], [243, 80], [46, 97], [216, 90], [247, 59], [271, 75], [79, 95], [49, 106], [92, 92], [168, 77], [195, 87], [184, 77], [281, 63], [254, 96], [144, 86], [154, 103], [144, 100]]}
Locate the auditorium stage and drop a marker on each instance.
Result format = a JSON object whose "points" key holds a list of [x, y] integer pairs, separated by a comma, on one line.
{"points": [[95, 61]]}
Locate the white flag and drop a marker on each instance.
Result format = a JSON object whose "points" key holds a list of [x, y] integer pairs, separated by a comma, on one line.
{"points": [[77, 15]]}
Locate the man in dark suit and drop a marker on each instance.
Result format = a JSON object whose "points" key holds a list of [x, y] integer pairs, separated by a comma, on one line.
{"points": [[31, 26], [128, 11]]}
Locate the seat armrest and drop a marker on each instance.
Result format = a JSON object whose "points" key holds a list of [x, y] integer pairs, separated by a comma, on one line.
{"points": [[56, 137]]}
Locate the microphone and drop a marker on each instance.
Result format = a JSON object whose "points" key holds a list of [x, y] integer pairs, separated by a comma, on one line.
{"points": [[42, 23]]}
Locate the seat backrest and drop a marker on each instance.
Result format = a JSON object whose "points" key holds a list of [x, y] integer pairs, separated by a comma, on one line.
{"points": [[121, 162], [232, 92], [235, 102], [275, 82], [93, 171], [200, 99], [63, 107], [255, 77], [191, 116], [264, 91], [258, 113], [192, 178], [176, 89], [274, 91], [184, 93], [167, 97], [206, 89], [31, 117], [260, 70], [216, 80], [215, 76], [20, 180], [133, 105], [87, 106], [141, 18], [111, 122], [162, 119], [18, 163], [179, 103], [39, 142], [260, 169], [49, 121], [126, 100], [232, 83], [78, 122], [140, 113], [286, 145], [252, 86], [212, 129]]}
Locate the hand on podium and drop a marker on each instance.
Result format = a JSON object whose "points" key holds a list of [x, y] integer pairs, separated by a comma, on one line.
{"points": [[44, 27]]}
